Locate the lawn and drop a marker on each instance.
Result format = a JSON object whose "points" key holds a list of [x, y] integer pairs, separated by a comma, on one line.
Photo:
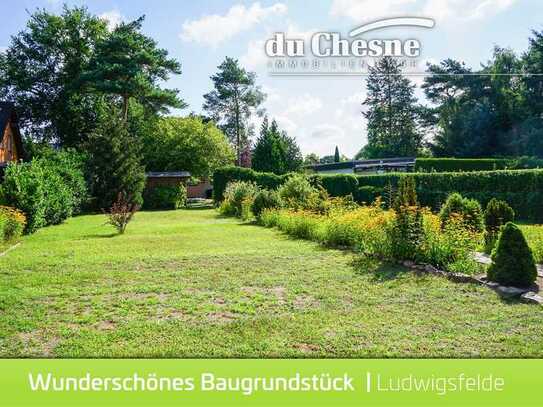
{"points": [[191, 284]]}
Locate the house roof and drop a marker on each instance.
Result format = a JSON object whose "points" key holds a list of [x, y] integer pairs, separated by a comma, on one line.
{"points": [[380, 162], [168, 174], [7, 114]]}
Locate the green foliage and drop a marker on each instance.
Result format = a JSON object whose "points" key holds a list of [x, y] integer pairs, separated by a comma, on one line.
{"points": [[128, 64], [407, 231], [519, 188], [298, 193], [47, 190], [469, 211], [266, 199], [12, 224], [337, 157], [339, 184], [165, 198], [223, 176], [497, 213], [41, 70], [114, 165], [512, 260], [230, 103], [392, 112], [238, 198], [463, 164], [188, 144], [275, 151]]}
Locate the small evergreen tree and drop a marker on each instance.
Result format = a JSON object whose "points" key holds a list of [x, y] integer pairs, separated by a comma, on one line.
{"points": [[407, 233], [512, 259], [468, 209], [497, 213], [337, 157], [115, 162]]}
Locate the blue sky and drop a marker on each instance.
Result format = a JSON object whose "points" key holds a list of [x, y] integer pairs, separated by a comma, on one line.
{"points": [[320, 112]]}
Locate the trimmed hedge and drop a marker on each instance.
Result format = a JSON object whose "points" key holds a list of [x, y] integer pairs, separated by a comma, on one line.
{"points": [[462, 164], [521, 189], [336, 185], [223, 176], [475, 164]]}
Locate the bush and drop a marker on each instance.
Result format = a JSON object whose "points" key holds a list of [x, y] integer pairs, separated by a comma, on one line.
{"points": [[469, 211], [12, 224], [47, 190], [497, 213], [407, 231], [166, 198], [512, 260], [223, 176], [122, 211], [237, 197], [266, 199], [298, 193], [339, 184]]}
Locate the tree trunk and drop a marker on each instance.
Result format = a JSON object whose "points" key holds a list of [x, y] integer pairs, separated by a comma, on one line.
{"points": [[125, 108]]}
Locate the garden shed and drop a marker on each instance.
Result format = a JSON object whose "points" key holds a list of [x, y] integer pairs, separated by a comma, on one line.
{"points": [[11, 144], [166, 178]]}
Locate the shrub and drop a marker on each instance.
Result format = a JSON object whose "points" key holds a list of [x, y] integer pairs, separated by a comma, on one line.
{"points": [[266, 199], [223, 176], [339, 184], [497, 213], [122, 211], [47, 190], [12, 224], [236, 195], [450, 247], [298, 193], [407, 231], [468, 209], [512, 260], [163, 197]]}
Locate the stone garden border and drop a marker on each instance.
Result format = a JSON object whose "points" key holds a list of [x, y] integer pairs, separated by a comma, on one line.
{"points": [[527, 295]]}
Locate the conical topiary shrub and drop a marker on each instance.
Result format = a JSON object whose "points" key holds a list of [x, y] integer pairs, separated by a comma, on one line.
{"points": [[512, 259]]}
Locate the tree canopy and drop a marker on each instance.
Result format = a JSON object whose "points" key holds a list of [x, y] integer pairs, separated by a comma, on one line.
{"points": [[232, 101]]}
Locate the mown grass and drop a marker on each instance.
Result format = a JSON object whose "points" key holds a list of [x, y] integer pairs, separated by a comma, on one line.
{"points": [[191, 284]]}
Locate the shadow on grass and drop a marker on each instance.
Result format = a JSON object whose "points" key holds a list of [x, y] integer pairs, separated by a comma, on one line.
{"points": [[198, 207], [101, 235], [379, 270]]}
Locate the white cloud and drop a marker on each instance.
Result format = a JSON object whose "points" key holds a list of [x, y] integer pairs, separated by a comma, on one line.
{"points": [[303, 105], [362, 10], [256, 57], [465, 9], [113, 18], [213, 29]]}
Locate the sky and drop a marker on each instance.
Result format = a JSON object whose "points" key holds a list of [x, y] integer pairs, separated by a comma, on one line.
{"points": [[320, 112]]}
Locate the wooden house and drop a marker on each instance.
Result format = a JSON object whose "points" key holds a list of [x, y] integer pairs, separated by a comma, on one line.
{"points": [[11, 144]]}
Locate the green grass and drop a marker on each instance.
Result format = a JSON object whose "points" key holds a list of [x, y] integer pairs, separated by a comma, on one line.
{"points": [[191, 284]]}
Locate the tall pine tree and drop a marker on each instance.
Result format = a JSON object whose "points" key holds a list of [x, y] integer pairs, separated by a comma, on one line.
{"points": [[392, 112], [232, 102]]}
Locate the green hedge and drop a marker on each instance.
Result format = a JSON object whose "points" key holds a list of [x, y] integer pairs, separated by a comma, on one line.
{"points": [[223, 176], [475, 164], [336, 185], [462, 164], [522, 189]]}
